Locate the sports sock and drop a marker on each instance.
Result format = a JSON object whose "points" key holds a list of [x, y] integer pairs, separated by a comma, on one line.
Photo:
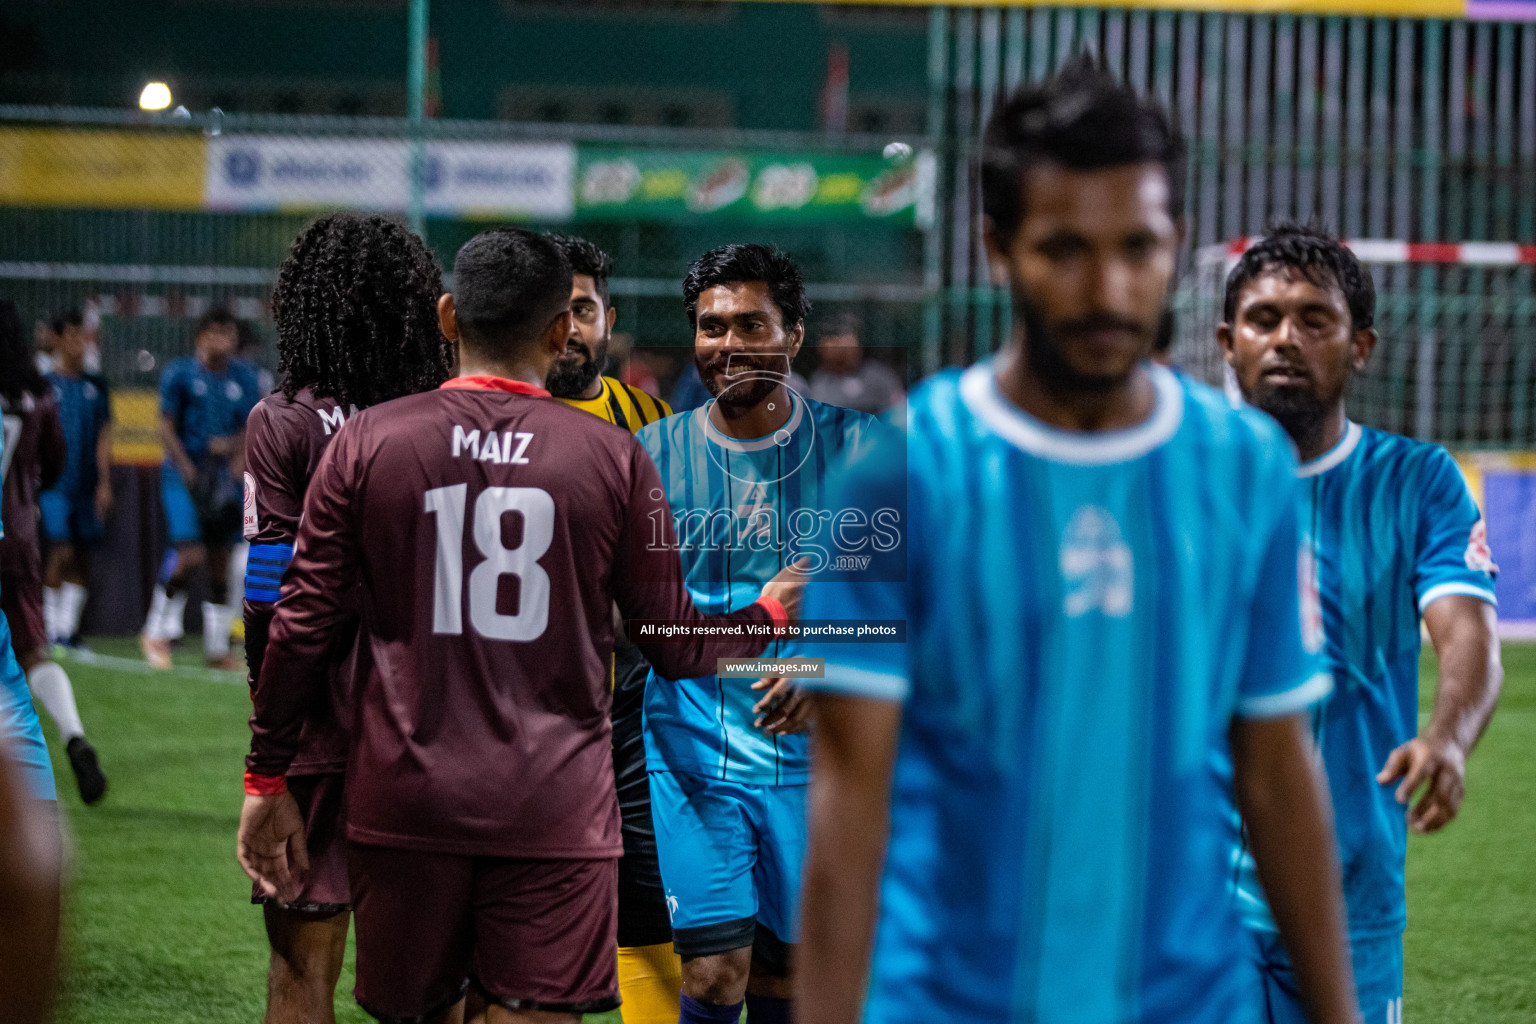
{"points": [[71, 605], [50, 687], [695, 1012], [216, 620], [52, 597], [650, 978], [767, 1009], [164, 621]]}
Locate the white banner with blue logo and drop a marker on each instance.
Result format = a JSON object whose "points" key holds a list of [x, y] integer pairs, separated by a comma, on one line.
{"points": [[463, 179]]}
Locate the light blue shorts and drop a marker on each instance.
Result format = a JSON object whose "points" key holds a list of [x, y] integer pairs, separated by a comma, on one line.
{"points": [[1378, 965], [21, 734], [731, 854]]}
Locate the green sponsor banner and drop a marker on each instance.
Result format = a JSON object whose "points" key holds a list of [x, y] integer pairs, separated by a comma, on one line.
{"points": [[692, 186]]}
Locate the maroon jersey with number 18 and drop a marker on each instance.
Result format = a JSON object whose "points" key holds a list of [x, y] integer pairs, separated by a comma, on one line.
{"points": [[492, 529], [284, 439]]}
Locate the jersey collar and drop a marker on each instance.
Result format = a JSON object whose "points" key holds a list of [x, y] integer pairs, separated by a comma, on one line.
{"points": [[754, 444], [485, 382], [1335, 455], [978, 387]]}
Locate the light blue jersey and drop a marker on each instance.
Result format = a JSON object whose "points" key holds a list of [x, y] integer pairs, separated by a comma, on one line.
{"points": [[1392, 528], [743, 509], [1086, 615]]}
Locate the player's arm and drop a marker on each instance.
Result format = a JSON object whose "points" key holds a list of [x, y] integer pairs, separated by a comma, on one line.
{"points": [[172, 404], [104, 455], [853, 748], [1465, 633], [1277, 773], [648, 585], [1453, 583], [1284, 800], [277, 500], [30, 878], [325, 569], [52, 449]]}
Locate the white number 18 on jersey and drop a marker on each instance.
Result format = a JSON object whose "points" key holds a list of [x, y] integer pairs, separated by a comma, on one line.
{"points": [[446, 505]]}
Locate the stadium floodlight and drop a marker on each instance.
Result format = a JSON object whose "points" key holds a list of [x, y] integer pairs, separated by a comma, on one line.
{"points": [[155, 96]]}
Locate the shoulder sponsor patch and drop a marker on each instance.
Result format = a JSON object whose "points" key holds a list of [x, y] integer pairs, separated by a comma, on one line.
{"points": [[1479, 555], [250, 525]]}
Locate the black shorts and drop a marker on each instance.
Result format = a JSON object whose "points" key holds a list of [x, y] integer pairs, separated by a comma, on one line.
{"points": [[643, 919], [321, 800], [529, 934]]}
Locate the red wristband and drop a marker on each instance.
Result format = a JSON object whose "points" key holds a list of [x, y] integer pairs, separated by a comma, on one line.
{"points": [[265, 785], [775, 611]]}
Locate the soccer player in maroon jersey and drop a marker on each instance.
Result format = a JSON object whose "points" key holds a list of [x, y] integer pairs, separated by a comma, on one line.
{"points": [[356, 313], [31, 460], [491, 529]]}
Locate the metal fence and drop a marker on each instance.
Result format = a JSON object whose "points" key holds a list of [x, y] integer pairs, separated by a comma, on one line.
{"points": [[1402, 129]]}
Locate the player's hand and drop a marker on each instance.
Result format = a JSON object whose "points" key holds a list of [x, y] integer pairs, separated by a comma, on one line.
{"points": [[103, 500], [788, 587], [271, 844], [221, 446], [783, 710], [1440, 768]]}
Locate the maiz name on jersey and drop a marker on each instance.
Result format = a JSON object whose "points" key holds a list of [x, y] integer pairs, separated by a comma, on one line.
{"points": [[1086, 614], [480, 724]]}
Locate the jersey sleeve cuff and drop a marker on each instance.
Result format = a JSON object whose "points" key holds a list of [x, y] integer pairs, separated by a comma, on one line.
{"points": [[776, 612], [265, 785], [859, 681], [1287, 702], [1467, 589]]}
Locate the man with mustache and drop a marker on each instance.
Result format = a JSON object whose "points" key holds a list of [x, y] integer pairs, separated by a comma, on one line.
{"points": [[1396, 539], [650, 974], [745, 476], [1021, 809], [577, 378]]}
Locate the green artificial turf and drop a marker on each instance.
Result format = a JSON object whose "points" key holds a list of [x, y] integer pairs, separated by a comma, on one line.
{"points": [[160, 927]]}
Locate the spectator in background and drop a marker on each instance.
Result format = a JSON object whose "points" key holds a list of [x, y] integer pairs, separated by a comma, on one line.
{"points": [[845, 377], [75, 508], [204, 401]]}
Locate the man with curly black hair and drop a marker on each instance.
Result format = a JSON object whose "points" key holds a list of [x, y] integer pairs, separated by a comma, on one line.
{"points": [[356, 313]]}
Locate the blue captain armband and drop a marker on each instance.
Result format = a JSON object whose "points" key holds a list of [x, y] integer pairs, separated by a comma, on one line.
{"points": [[264, 569]]}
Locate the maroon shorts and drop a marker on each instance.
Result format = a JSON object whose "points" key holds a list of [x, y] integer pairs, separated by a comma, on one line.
{"points": [[21, 598], [321, 801], [530, 934]]}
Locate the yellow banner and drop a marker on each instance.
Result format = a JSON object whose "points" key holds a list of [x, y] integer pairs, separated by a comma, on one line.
{"points": [[101, 169], [1392, 8]]}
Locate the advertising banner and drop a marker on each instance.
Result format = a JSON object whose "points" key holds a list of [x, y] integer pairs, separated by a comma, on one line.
{"points": [[1484, 10], [101, 169], [464, 179], [1505, 487], [689, 186]]}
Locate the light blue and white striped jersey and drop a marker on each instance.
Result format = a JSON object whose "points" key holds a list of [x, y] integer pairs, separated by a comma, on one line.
{"points": [[743, 510], [1086, 614], [1392, 527]]}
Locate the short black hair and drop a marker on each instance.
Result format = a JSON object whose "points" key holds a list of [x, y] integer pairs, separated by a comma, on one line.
{"points": [[840, 325], [66, 318], [214, 316], [1082, 118], [356, 312], [1313, 252], [731, 264], [586, 258], [18, 366], [508, 284]]}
